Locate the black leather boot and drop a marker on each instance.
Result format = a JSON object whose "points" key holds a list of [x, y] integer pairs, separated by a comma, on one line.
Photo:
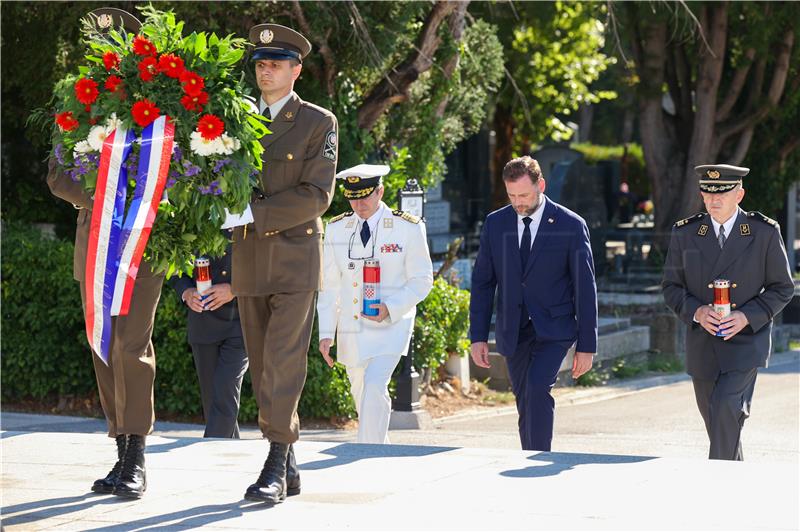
{"points": [[292, 474], [132, 479], [106, 485], [271, 484]]}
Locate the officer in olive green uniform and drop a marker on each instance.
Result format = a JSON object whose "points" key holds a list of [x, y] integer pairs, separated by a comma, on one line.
{"points": [[277, 258], [723, 353], [126, 383]]}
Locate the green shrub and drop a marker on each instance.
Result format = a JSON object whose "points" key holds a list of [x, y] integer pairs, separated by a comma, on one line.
{"points": [[45, 352]]}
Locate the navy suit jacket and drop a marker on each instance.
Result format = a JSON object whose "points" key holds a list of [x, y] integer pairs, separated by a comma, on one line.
{"points": [[557, 288]]}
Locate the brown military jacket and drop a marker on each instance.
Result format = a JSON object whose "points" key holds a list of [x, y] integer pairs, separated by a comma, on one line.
{"points": [[65, 188], [282, 250]]}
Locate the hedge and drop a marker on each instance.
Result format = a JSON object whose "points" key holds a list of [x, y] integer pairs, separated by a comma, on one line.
{"points": [[45, 352]]}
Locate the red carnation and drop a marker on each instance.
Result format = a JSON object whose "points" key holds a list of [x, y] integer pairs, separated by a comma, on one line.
{"points": [[144, 112], [195, 103], [66, 121], [86, 91], [171, 65], [192, 83], [148, 68], [210, 127], [112, 83], [110, 60], [142, 46]]}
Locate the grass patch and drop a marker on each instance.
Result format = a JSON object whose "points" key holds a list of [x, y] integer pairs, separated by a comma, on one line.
{"points": [[623, 370], [794, 345], [499, 398], [665, 364], [593, 377]]}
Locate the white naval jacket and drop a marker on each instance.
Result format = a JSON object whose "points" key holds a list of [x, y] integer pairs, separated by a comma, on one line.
{"points": [[406, 279]]}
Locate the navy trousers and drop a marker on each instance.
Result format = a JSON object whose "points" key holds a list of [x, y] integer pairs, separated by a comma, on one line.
{"points": [[533, 369]]}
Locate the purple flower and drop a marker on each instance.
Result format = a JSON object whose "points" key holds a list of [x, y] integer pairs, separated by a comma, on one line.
{"points": [[59, 153], [204, 190], [171, 182], [219, 165], [191, 170], [177, 154]]}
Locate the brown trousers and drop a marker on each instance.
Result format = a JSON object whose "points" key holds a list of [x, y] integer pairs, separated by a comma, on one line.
{"points": [[126, 384], [277, 333]]}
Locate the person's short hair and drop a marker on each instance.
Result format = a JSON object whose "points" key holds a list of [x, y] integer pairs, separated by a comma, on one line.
{"points": [[520, 167]]}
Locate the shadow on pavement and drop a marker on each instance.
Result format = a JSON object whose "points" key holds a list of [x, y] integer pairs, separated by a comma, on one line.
{"points": [[59, 506], [557, 463], [347, 453]]}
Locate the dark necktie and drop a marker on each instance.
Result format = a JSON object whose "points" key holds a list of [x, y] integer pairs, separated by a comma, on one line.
{"points": [[267, 113], [721, 237], [365, 233], [525, 245]]}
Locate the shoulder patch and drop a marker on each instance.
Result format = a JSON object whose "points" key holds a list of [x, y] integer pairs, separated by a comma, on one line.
{"points": [[340, 217], [766, 219], [690, 219], [407, 216], [329, 150]]}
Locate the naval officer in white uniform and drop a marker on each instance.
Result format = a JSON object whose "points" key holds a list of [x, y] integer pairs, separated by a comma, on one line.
{"points": [[371, 346]]}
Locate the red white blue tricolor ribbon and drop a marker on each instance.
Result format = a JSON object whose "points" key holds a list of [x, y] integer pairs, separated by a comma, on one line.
{"points": [[115, 248]]}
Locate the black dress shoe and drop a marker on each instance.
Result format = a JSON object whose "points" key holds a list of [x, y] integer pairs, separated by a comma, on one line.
{"points": [[271, 484], [132, 479], [106, 485], [292, 474]]}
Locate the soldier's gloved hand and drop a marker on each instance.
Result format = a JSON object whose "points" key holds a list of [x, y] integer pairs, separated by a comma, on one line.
{"points": [[708, 318], [192, 299], [733, 323], [383, 313], [325, 349]]}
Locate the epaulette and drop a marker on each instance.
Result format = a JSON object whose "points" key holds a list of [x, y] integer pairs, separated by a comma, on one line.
{"points": [[690, 219], [407, 216], [766, 219], [340, 217]]}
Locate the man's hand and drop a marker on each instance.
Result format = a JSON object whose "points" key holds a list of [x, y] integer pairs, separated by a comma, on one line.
{"points": [[325, 349], [732, 324], [383, 312], [480, 354], [581, 363], [217, 295], [192, 299], [708, 318]]}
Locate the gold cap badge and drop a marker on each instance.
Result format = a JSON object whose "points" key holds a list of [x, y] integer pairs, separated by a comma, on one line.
{"points": [[266, 36], [713, 174]]}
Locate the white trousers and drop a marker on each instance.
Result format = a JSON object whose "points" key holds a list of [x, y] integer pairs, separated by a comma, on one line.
{"points": [[369, 384]]}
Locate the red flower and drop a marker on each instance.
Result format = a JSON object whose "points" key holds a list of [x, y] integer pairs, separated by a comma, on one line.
{"points": [[88, 108], [110, 60], [66, 121], [210, 127], [192, 83], [112, 83], [148, 68], [171, 65], [86, 91], [92, 121], [142, 46], [195, 103], [144, 112]]}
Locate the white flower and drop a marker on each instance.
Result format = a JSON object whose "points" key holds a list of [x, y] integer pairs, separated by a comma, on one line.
{"points": [[112, 122], [82, 147], [201, 146], [230, 144], [97, 135]]}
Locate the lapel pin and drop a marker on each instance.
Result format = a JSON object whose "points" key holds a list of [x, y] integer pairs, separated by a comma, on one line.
{"points": [[744, 229], [388, 223], [550, 220], [288, 115], [702, 230]]}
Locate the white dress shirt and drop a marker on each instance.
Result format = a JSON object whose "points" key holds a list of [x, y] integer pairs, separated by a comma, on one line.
{"points": [[360, 250], [728, 226], [536, 219], [276, 107]]}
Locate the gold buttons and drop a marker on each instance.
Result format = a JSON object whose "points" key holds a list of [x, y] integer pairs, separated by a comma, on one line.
{"points": [[224, 272], [309, 231], [270, 233], [733, 285], [711, 285], [289, 156], [355, 316], [355, 300], [733, 305]]}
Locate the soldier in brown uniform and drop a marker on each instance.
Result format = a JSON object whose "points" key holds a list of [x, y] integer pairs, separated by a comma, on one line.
{"points": [[277, 258], [126, 383]]}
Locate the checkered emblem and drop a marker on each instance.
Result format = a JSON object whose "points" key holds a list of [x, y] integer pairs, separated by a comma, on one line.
{"points": [[369, 292]]}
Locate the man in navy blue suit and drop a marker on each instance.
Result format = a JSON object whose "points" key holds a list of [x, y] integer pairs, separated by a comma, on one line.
{"points": [[535, 256]]}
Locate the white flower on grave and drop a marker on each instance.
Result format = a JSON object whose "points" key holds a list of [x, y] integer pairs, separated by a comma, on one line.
{"points": [[201, 146], [112, 122], [97, 135], [82, 147], [230, 144]]}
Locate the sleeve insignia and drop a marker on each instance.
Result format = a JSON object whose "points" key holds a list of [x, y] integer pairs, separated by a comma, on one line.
{"points": [[703, 230], [744, 229], [340, 217], [407, 216], [766, 219], [329, 150], [690, 219]]}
